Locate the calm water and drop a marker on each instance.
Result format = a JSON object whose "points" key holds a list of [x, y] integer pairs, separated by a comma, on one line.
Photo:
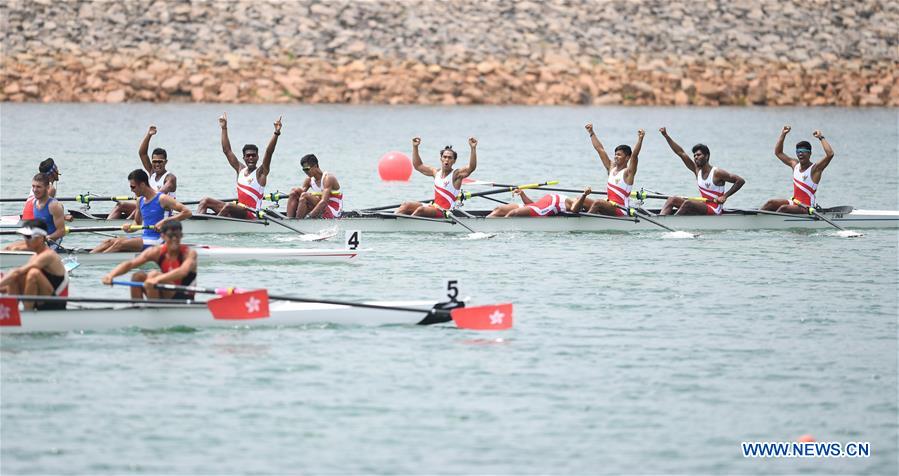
{"points": [[631, 352]]}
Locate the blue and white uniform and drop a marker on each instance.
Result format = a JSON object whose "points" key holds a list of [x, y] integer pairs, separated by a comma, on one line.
{"points": [[45, 216], [151, 213]]}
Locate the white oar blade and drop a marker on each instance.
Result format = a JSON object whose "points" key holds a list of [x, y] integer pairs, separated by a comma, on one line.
{"points": [[849, 234], [320, 236]]}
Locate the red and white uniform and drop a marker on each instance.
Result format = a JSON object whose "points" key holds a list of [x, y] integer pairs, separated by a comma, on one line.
{"points": [[548, 205], [804, 187], [335, 202], [249, 190], [709, 190], [445, 192], [619, 191], [158, 182]]}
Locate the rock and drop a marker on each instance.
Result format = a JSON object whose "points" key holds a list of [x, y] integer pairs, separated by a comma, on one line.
{"points": [[197, 94], [11, 88], [228, 92], [116, 96], [171, 84], [608, 99], [681, 98]]}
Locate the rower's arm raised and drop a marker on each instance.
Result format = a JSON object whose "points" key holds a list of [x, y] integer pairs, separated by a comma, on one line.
{"points": [[603, 156], [416, 160], [632, 163], [472, 162], [142, 152], [828, 156], [226, 144], [779, 149], [262, 173], [679, 151]]}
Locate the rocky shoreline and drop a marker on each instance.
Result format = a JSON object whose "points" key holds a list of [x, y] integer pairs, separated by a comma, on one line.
{"points": [[838, 53]]}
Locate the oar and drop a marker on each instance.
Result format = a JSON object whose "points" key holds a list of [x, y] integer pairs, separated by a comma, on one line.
{"points": [[90, 229], [27, 297], [468, 195], [272, 217], [845, 233], [83, 198], [195, 202], [478, 317], [638, 194], [643, 216], [474, 235]]}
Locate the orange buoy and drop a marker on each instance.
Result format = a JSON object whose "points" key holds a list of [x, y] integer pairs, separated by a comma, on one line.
{"points": [[395, 166], [806, 438]]}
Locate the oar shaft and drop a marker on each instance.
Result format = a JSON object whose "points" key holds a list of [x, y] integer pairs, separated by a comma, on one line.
{"points": [[468, 195], [25, 297]]}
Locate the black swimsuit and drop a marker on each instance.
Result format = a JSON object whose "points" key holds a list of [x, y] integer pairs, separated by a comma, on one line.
{"points": [[55, 281]]}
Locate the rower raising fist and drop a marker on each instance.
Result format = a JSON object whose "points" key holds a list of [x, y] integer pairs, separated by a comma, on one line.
{"points": [[278, 125], [589, 128], [223, 120], [786, 130], [472, 142], [416, 141], [818, 135], [640, 133], [152, 131], [663, 131]]}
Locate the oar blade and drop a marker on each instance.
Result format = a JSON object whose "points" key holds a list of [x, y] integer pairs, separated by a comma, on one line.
{"points": [[479, 236], [239, 306], [493, 317]]}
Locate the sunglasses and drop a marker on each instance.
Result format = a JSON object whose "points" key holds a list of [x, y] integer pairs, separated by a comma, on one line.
{"points": [[807, 151], [306, 169]]}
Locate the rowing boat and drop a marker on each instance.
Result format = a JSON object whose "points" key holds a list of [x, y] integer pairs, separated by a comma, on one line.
{"points": [[205, 253], [197, 315], [387, 222]]}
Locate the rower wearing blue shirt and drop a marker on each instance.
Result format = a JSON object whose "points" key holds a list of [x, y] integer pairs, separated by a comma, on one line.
{"points": [[153, 209], [47, 209]]}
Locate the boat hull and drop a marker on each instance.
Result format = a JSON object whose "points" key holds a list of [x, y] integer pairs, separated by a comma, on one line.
{"points": [[198, 316], [205, 254], [856, 219]]}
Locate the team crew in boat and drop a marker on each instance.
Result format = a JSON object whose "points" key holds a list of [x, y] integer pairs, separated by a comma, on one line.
{"points": [[46, 209], [177, 265], [447, 181], [712, 182], [251, 179], [154, 209], [319, 196], [548, 205], [622, 172], [43, 275], [806, 174], [162, 180], [47, 167]]}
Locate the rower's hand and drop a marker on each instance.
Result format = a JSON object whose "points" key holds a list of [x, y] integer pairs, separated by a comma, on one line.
{"points": [[664, 131], [150, 282], [151, 131], [641, 133], [516, 192], [589, 128], [818, 135], [107, 280], [416, 141], [786, 130], [588, 191], [157, 226], [223, 120], [720, 200], [278, 124], [472, 142], [126, 227], [68, 217]]}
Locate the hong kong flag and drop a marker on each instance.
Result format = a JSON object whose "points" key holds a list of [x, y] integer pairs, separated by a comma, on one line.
{"points": [[9, 312], [493, 317], [244, 305]]}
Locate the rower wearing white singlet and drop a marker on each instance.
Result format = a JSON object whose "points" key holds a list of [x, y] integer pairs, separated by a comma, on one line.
{"points": [[447, 181], [621, 169], [161, 180], [320, 195], [547, 206], [712, 183], [806, 174], [251, 179]]}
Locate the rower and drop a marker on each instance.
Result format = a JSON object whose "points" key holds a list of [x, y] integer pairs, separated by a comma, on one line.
{"points": [[177, 265], [806, 174], [548, 205], [46, 209], [250, 179], [303, 203], [43, 275], [47, 167], [711, 181], [447, 182], [161, 179], [622, 172], [153, 209]]}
